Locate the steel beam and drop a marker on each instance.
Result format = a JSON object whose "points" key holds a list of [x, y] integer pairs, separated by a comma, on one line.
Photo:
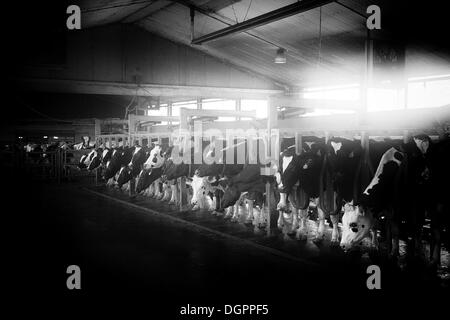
{"points": [[131, 89], [272, 16]]}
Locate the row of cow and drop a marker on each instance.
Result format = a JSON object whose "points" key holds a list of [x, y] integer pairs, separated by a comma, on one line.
{"points": [[395, 181]]}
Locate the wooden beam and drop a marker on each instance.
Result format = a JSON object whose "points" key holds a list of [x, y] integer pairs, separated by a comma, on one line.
{"points": [[131, 89], [395, 121], [219, 113], [147, 11], [299, 102], [135, 118]]}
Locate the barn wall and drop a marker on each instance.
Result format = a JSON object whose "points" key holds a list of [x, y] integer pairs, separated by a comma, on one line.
{"points": [[119, 52]]}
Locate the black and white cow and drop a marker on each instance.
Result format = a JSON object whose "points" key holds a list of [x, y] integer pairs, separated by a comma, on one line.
{"points": [[86, 159], [120, 157], [381, 197], [299, 184], [206, 193], [134, 167], [96, 159], [247, 187], [149, 179], [428, 178]]}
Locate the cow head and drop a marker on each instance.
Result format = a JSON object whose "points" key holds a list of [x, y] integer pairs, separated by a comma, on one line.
{"points": [[422, 142], [142, 180], [106, 155], [289, 171], [124, 176], [138, 159], [356, 225], [200, 192], [96, 159], [155, 159], [113, 164], [230, 196]]}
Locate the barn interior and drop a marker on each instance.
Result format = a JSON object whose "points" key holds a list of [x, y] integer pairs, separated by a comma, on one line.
{"points": [[138, 71]]}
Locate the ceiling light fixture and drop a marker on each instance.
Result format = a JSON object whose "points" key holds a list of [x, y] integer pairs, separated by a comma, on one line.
{"points": [[281, 56]]}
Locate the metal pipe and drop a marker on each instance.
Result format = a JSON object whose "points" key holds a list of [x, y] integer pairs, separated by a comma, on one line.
{"points": [[192, 12], [263, 19]]}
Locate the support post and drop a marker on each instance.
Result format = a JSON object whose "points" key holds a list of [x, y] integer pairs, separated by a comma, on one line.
{"points": [[192, 14], [367, 78], [268, 204], [406, 136], [132, 186], [238, 108], [182, 182], [298, 143], [272, 122]]}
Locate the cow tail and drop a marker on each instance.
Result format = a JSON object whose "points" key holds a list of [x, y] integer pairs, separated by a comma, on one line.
{"points": [[327, 195], [363, 176], [302, 198], [401, 184]]}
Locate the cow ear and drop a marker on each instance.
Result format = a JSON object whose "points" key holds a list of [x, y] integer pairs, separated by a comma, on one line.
{"points": [[361, 211], [212, 179]]}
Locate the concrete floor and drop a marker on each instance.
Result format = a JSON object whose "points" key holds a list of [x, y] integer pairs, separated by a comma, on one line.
{"points": [[127, 252]]}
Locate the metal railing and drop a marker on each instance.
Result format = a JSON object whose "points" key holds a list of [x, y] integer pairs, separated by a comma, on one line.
{"points": [[52, 166]]}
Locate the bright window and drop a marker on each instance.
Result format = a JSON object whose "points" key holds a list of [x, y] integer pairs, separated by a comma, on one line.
{"points": [[385, 99], [348, 92], [429, 94], [192, 104], [162, 111], [260, 106], [215, 104]]}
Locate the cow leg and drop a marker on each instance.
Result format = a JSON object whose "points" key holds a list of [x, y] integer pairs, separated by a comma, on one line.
{"points": [[211, 199], [209, 203], [250, 218], [303, 226], [295, 222], [321, 228], [392, 237], [187, 194], [417, 223], [229, 212], [335, 233], [389, 232], [242, 212], [257, 221], [161, 191], [110, 182], [158, 193], [173, 198], [282, 203], [373, 239], [235, 216], [167, 192], [395, 239], [217, 205], [280, 222], [151, 190], [213, 205], [435, 241], [155, 188], [287, 224]]}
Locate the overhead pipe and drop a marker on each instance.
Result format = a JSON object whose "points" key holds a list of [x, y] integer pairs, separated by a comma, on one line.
{"points": [[272, 16]]}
